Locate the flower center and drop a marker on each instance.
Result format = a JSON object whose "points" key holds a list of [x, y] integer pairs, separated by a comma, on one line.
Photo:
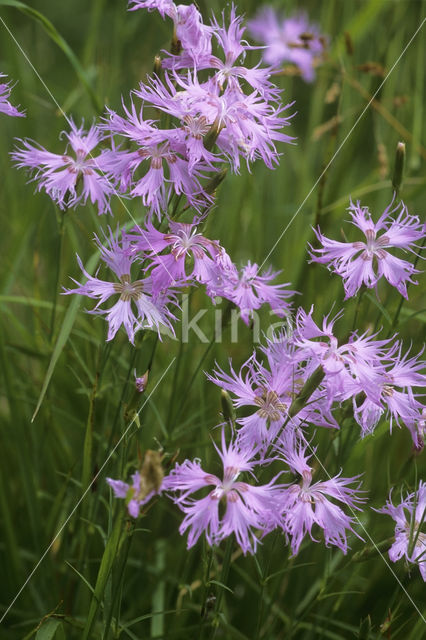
{"points": [[128, 290], [373, 246], [270, 406]]}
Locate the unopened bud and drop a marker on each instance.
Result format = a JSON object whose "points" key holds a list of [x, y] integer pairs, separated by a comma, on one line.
{"points": [[141, 382], [228, 410], [157, 65], [398, 171], [131, 413]]}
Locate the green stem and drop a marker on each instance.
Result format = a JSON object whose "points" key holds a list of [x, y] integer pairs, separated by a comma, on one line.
{"points": [[402, 299], [58, 271], [108, 559], [208, 560], [357, 308], [116, 596], [226, 565], [191, 382]]}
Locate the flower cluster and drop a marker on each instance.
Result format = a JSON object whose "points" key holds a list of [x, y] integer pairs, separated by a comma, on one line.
{"points": [[173, 164], [231, 112], [250, 509], [5, 106], [410, 518], [163, 263], [301, 380], [364, 263], [292, 39], [207, 109]]}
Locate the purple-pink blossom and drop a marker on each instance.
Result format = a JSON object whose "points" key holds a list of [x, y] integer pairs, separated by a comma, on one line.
{"points": [[293, 39], [304, 504], [410, 528], [160, 155], [73, 177], [139, 305], [248, 507], [248, 288], [365, 262], [5, 106], [190, 33], [181, 254]]}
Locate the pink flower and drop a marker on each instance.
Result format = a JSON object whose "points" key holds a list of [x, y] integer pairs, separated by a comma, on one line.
{"points": [[304, 504], [5, 106], [388, 389], [247, 507], [138, 306], [60, 175], [189, 31], [248, 289], [184, 245], [161, 154], [293, 40], [410, 518], [365, 263]]}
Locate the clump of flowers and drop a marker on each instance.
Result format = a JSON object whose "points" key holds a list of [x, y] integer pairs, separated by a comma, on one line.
{"points": [[410, 529], [206, 111], [5, 106], [366, 262], [293, 39]]}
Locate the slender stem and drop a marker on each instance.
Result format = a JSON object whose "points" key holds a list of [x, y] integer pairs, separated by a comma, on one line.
{"points": [[402, 299], [116, 597], [357, 308], [223, 579], [108, 559], [62, 215], [194, 375]]}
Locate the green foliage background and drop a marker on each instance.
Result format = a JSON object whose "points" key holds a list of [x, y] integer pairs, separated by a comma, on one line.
{"points": [[91, 54]]}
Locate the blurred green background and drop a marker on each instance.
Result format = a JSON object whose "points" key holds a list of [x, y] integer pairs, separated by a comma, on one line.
{"points": [[89, 54]]}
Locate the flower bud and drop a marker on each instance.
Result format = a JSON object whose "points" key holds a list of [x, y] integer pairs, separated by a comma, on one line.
{"points": [[399, 167], [141, 382]]}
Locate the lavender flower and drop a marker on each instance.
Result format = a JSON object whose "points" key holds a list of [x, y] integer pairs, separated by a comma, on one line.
{"points": [[366, 262], [60, 175], [388, 389], [138, 306], [5, 106], [305, 504], [409, 515], [166, 155], [248, 289], [184, 243], [293, 40], [247, 507], [190, 34]]}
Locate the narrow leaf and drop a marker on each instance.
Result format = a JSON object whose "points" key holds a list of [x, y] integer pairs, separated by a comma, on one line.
{"points": [[63, 336]]}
